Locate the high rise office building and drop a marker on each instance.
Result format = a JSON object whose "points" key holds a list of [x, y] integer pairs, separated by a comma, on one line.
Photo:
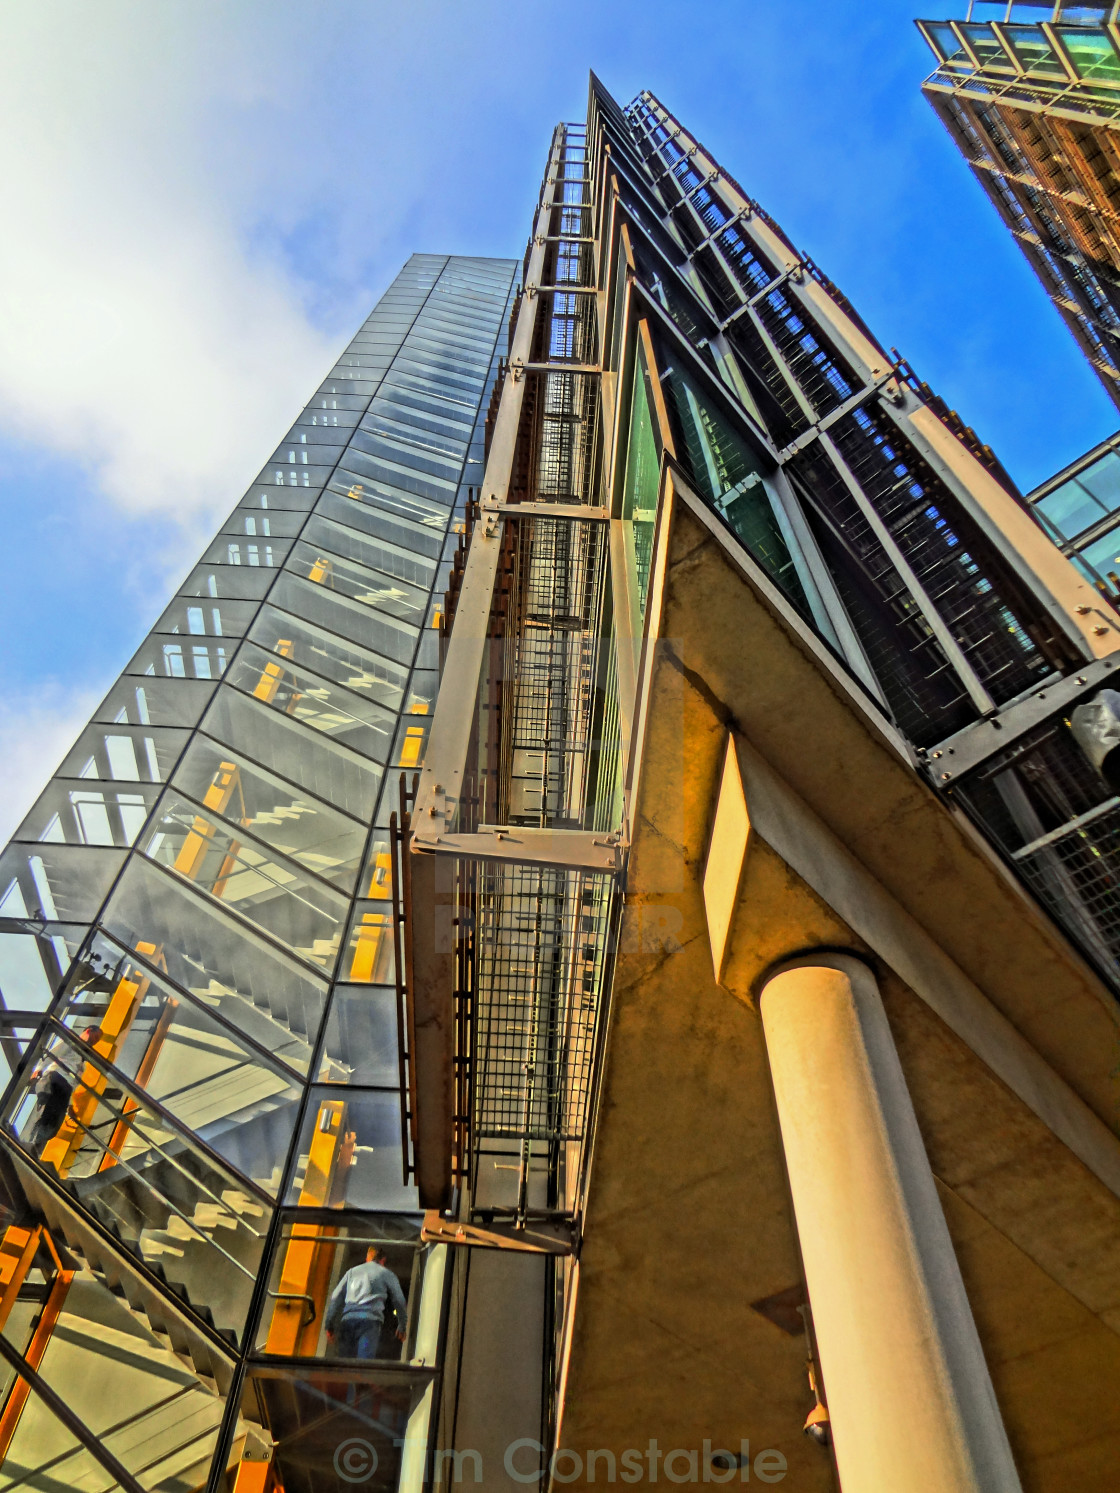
{"points": [[1030, 92], [632, 864]]}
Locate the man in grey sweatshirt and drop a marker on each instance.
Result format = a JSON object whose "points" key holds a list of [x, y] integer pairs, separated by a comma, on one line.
{"points": [[356, 1309]]}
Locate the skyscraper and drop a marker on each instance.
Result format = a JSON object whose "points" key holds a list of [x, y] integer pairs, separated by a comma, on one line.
{"points": [[705, 998], [1030, 93]]}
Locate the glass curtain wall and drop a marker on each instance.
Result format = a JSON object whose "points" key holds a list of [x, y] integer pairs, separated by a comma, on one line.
{"points": [[203, 1133]]}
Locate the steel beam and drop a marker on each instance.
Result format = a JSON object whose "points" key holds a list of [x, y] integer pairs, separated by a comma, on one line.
{"points": [[581, 511], [562, 849], [449, 740]]}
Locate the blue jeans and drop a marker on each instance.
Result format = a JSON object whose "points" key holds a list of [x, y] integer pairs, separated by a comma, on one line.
{"points": [[359, 1337]]}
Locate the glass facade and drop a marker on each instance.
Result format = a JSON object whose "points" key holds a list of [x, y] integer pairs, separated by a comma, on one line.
{"points": [[1030, 93], [1080, 507], [204, 1133]]}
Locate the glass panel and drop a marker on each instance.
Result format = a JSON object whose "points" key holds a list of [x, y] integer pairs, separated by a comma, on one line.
{"points": [[278, 524], [263, 554], [74, 811], [309, 758], [137, 1397], [221, 579], [358, 723], [330, 656], [374, 553], [347, 507], [159, 702], [60, 883], [360, 1039], [199, 617], [329, 1432], [175, 657], [345, 1291], [984, 42], [1034, 51], [316, 603], [946, 42], [130, 754], [34, 955], [1091, 53], [350, 1152], [15, 1040], [1104, 554], [1103, 480], [270, 891], [222, 963], [164, 1199], [239, 1103], [369, 587], [304, 828], [1071, 508], [729, 474], [639, 500]]}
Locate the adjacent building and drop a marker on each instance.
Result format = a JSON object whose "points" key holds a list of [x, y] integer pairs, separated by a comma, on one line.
{"points": [[601, 826], [1030, 93]]}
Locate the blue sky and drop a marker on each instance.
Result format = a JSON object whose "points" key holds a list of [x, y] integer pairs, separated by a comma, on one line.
{"points": [[202, 201]]}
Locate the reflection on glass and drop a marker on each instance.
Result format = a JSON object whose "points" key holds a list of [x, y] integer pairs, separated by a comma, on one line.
{"points": [[322, 1430], [313, 759], [34, 954], [76, 812], [140, 1401], [344, 1290], [58, 883], [350, 1154], [284, 817], [164, 1198], [315, 602], [729, 475], [303, 913], [333, 657], [1091, 53], [236, 1099], [386, 593], [360, 1037], [359, 723], [221, 962], [156, 702]]}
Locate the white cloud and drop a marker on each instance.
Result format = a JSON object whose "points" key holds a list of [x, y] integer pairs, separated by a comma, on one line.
{"points": [[141, 336], [36, 731]]}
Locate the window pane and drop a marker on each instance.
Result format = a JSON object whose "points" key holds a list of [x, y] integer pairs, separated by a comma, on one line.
{"points": [[330, 656], [289, 820], [77, 811], [222, 963], [306, 1290], [305, 1418], [127, 754], [385, 593], [165, 1199], [158, 702], [1091, 53], [316, 603], [360, 1039], [35, 954], [242, 1105], [350, 1153], [358, 723], [1071, 508], [307, 757], [61, 883], [269, 890]]}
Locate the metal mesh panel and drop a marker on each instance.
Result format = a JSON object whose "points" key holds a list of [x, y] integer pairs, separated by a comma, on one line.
{"points": [[1058, 824], [542, 950]]}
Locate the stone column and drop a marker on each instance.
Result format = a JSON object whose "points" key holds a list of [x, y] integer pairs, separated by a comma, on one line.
{"points": [[911, 1402]]}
